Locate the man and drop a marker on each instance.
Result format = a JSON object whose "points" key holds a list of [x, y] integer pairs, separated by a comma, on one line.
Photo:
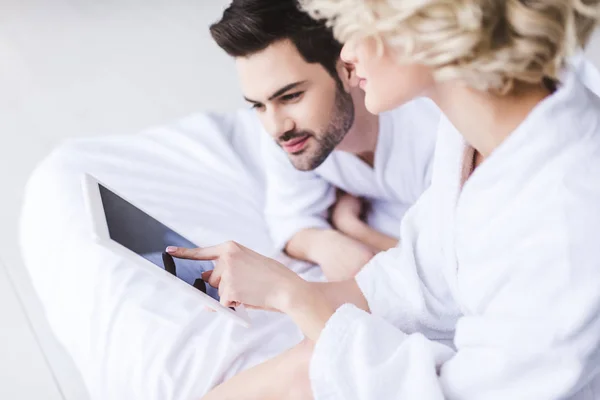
{"points": [[322, 138]]}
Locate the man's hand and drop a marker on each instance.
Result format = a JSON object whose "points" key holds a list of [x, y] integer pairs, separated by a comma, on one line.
{"points": [[341, 252], [348, 217], [340, 256], [347, 212]]}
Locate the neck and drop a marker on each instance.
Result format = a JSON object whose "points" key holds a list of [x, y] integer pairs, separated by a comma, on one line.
{"points": [[362, 137], [485, 120]]}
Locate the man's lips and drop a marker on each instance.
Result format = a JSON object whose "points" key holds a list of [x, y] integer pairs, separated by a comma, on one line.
{"points": [[295, 145]]}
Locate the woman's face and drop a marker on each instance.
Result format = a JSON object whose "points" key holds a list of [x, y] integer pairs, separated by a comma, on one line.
{"points": [[387, 83]]}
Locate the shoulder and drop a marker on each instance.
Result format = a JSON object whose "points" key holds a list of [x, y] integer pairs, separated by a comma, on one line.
{"points": [[577, 192], [413, 124], [579, 188]]}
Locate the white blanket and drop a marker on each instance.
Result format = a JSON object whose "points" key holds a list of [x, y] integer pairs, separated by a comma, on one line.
{"points": [[129, 332]]}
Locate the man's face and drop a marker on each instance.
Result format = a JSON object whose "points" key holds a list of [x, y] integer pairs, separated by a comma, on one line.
{"points": [[304, 109]]}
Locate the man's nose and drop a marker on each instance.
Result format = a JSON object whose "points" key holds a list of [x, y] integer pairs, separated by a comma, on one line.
{"points": [[277, 125]]}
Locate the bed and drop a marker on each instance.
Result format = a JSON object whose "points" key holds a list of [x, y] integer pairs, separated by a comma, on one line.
{"points": [[130, 334]]}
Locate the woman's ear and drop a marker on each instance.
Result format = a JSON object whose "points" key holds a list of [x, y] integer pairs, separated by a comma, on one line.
{"points": [[347, 74]]}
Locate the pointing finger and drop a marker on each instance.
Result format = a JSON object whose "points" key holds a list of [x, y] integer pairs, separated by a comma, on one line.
{"points": [[204, 254]]}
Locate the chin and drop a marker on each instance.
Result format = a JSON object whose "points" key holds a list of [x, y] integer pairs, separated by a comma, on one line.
{"points": [[380, 105], [300, 162], [374, 106], [305, 162]]}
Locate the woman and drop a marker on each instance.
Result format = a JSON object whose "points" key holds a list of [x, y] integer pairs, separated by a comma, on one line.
{"points": [[494, 290]]}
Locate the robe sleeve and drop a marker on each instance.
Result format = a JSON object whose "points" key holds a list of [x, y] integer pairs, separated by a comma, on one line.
{"points": [[295, 200]]}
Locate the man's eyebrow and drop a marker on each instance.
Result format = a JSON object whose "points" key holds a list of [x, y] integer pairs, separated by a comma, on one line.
{"points": [[251, 101], [279, 92], [285, 89]]}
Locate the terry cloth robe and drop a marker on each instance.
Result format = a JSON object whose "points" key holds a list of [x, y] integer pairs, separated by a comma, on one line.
{"points": [[298, 200], [505, 268]]}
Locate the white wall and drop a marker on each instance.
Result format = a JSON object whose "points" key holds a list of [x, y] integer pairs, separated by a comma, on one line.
{"points": [[88, 67]]}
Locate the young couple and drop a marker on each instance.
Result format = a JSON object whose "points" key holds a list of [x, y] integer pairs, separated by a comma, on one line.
{"points": [[321, 138], [492, 291]]}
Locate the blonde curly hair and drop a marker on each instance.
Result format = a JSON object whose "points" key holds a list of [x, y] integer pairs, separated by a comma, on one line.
{"points": [[490, 44]]}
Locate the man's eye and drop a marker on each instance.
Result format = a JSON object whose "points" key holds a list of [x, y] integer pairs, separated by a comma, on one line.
{"points": [[292, 96], [257, 106]]}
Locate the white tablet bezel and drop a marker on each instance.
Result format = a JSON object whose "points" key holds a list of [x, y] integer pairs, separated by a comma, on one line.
{"points": [[95, 208]]}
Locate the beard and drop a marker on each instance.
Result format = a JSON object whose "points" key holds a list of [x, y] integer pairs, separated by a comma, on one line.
{"points": [[342, 119]]}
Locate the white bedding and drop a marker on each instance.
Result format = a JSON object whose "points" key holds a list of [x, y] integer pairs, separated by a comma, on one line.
{"points": [[129, 333]]}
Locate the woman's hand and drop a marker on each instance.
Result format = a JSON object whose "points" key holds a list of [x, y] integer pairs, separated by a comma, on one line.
{"points": [[245, 277]]}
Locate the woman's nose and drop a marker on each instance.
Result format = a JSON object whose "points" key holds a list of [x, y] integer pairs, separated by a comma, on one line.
{"points": [[348, 55]]}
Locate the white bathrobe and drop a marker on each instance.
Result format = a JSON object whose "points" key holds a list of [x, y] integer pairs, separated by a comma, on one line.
{"points": [[505, 268], [298, 200]]}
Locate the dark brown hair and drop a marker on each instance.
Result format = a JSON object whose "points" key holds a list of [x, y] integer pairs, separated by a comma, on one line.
{"points": [[250, 26]]}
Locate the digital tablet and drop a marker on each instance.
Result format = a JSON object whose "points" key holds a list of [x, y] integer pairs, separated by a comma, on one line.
{"points": [[132, 233]]}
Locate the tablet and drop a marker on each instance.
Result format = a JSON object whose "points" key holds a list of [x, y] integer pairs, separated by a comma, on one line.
{"points": [[132, 233]]}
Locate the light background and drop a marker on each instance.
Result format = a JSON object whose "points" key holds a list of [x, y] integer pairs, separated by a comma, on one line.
{"points": [[89, 67]]}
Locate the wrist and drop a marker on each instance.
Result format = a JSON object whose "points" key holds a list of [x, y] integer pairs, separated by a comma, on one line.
{"points": [[293, 295], [352, 227], [310, 309]]}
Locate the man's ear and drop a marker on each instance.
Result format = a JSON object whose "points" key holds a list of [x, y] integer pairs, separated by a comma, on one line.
{"points": [[347, 74]]}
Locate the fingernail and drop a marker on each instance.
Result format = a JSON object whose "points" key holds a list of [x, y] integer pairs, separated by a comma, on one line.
{"points": [[171, 249]]}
